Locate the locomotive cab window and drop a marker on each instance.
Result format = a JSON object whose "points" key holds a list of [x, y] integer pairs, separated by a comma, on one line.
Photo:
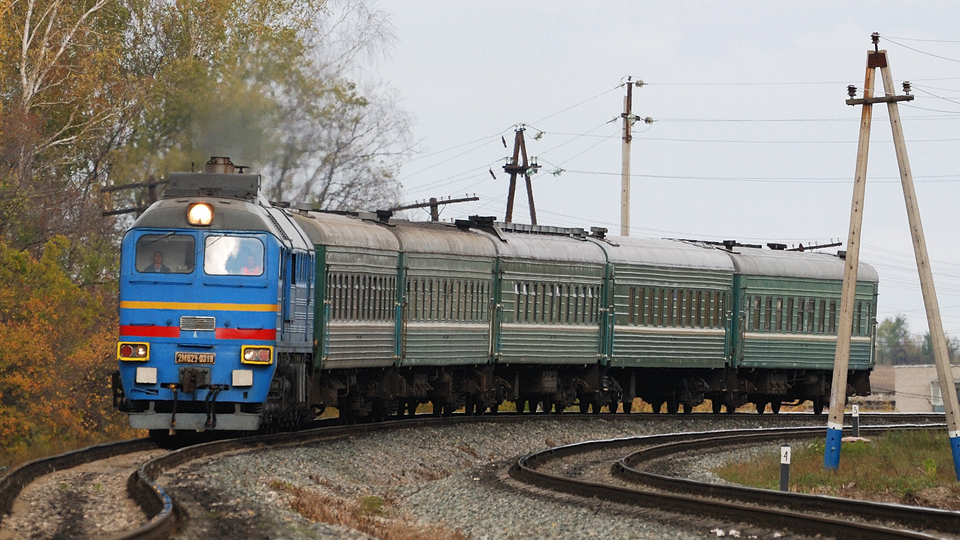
{"points": [[165, 253], [225, 255]]}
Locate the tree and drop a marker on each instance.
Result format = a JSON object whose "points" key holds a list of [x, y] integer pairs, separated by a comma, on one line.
{"points": [[60, 101], [895, 344], [55, 389], [926, 349], [269, 88]]}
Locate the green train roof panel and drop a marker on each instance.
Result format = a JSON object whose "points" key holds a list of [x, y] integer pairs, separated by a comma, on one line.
{"points": [[669, 253], [768, 262]]}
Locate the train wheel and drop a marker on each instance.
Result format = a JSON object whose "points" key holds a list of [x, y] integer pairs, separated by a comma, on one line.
{"points": [[717, 405], [656, 405], [761, 405], [775, 406], [672, 406], [687, 407], [584, 407], [818, 405]]}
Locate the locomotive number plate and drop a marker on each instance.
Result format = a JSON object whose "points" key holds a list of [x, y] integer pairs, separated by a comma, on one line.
{"points": [[194, 358]]}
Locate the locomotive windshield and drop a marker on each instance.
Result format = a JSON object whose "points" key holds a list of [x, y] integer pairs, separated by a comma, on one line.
{"points": [[165, 253], [233, 255]]}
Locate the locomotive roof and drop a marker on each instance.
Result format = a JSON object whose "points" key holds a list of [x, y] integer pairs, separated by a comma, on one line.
{"points": [[665, 252], [767, 262], [432, 237], [345, 231], [549, 248]]}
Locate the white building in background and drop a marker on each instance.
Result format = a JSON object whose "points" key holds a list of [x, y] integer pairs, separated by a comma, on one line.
{"points": [[918, 389]]}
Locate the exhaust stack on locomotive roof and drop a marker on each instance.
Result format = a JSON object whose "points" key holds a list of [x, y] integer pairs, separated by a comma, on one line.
{"points": [[220, 164]]}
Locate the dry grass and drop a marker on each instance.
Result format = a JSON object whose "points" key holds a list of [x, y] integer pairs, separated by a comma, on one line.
{"points": [[369, 514], [909, 467]]}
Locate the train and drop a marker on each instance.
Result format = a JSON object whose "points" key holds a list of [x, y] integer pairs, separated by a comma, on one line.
{"points": [[239, 314]]}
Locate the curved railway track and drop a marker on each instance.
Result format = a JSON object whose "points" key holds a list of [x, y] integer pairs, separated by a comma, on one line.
{"points": [[163, 517], [802, 514]]}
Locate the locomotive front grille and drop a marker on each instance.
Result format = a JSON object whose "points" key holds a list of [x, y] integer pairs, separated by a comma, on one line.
{"points": [[201, 324]]}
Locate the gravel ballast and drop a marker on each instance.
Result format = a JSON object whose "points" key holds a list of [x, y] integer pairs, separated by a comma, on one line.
{"points": [[441, 479]]}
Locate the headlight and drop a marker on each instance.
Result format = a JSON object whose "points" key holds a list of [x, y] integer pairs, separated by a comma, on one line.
{"points": [[256, 355], [133, 352], [200, 214]]}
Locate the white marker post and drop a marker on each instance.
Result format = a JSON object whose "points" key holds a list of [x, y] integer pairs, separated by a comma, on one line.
{"points": [[856, 420], [784, 468]]}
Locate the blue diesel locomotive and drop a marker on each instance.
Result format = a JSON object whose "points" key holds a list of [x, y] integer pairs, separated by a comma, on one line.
{"points": [[238, 314]]}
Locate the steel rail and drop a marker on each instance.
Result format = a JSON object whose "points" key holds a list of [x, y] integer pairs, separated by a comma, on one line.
{"points": [[732, 502], [165, 517]]}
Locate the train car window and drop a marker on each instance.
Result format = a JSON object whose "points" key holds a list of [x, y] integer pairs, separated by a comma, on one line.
{"points": [[225, 255], [788, 315], [809, 315], [165, 253], [801, 303], [858, 319], [767, 313], [833, 317], [369, 297], [659, 298], [531, 303], [821, 316], [351, 298], [778, 314], [632, 310], [757, 312], [638, 298], [698, 310]]}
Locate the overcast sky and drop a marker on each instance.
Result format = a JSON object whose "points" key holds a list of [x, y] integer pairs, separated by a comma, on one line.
{"points": [[751, 137]]}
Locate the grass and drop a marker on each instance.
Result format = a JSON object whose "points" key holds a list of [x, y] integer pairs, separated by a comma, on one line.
{"points": [[912, 467]]}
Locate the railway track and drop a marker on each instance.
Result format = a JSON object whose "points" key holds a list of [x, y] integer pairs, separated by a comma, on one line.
{"points": [[801, 514], [161, 511]]}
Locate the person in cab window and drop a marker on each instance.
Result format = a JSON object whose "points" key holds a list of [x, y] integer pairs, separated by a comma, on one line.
{"points": [[252, 268], [158, 265]]}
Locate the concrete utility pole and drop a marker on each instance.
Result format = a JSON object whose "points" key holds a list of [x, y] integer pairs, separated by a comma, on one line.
{"points": [[628, 121], [831, 457], [515, 166]]}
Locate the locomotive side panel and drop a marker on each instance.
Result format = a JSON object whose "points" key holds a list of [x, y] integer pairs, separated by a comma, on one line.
{"points": [[792, 323], [446, 312], [359, 327], [551, 312], [670, 317]]}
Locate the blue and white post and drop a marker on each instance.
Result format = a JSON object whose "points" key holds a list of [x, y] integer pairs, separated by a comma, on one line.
{"points": [[831, 457], [838, 388], [937, 338]]}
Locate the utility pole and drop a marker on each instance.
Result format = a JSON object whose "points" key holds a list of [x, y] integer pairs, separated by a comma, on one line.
{"points": [[831, 458], [515, 166], [628, 120], [627, 116], [434, 205]]}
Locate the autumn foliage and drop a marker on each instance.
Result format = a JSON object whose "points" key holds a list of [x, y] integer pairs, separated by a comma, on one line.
{"points": [[56, 356]]}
